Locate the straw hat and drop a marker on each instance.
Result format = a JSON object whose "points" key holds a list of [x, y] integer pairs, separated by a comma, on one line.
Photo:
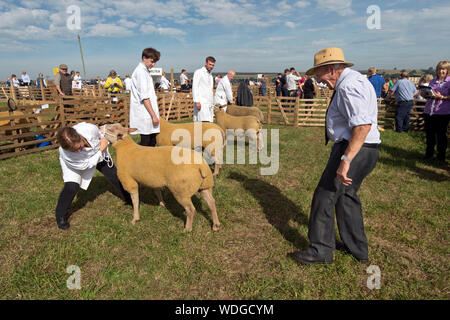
{"points": [[328, 56]]}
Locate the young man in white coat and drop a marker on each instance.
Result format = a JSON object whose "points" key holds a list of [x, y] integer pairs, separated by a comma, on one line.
{"points": [[202, 92], [144, 113], [224, 92]]}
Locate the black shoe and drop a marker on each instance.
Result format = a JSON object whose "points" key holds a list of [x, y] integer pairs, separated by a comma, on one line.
{"points": [[62, 223], [340, 246], [304, 257]]}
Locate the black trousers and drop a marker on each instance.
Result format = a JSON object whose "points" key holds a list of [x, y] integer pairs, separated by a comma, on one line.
{"points": [[148, 140], [70, 189], [436, 130], [331, 195]]}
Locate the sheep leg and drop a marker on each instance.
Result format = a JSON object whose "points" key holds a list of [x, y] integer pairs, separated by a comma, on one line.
{"points": [[190, 211], [160, 198], [208, 197], [135, 199], [260, 141]]}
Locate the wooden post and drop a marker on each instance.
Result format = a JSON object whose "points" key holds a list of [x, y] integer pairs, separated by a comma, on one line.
{"points": [[269, 107], [62, 115], [164, 105], [126, 110], [179, 108], [13, 92], [172, 86], [296, 111]]}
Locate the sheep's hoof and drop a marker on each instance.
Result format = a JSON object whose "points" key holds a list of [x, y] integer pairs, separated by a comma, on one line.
{"points": [[186, 229], [162, 204], [133, 222], [216, 227]]}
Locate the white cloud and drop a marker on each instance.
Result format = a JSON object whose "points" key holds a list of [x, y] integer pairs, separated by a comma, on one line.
{"points": [[302, 4], [150, 28], [342, 7], [290, 24], [108, 30]]}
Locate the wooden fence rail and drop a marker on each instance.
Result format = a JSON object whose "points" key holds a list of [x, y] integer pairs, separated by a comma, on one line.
{"points": [[26, 131]]}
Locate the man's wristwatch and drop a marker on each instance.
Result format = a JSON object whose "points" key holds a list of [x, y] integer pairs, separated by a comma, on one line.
{"points": [[346, 158]]}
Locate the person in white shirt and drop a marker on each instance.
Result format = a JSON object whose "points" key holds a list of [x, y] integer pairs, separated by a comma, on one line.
{"points": [[202, 92], [164, 83], [291, 80], [127, 82], [224, 93], [144, 113], [82, 150], [14, 81], [184, 80], [76, 82], [25, 78]]}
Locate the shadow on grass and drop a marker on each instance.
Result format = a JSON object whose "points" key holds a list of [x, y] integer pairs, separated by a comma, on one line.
{"points": [[409, 159], [279, 209], [147, 196], [98, 186]]}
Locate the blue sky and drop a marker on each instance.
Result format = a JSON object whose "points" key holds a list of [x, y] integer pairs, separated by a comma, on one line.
{"points": [[249, 36]]}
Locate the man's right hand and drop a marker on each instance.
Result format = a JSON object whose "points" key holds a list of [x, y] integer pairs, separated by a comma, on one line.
{"points": [[155, 121], [62, 93], [198, 105]]}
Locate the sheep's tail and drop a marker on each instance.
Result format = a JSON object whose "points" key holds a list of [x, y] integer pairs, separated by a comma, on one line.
{"points": [[261, 115]]}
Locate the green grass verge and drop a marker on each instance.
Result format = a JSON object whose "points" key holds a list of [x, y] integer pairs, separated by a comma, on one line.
{"points": [[405, 204]]}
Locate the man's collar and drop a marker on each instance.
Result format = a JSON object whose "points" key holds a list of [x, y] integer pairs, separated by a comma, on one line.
{"points": [[341, 77]]}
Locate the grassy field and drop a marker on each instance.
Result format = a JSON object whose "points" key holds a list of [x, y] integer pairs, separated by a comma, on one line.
{"points": [[405, 204]]}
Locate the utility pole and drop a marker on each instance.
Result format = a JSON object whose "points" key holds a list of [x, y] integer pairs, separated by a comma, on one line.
{"points": [[82, 59]]}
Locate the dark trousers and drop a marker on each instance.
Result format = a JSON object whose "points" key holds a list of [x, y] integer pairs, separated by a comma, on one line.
{"points": [[436, 130], [70, 189], [331, 195], [402, 115], [148, 140]]}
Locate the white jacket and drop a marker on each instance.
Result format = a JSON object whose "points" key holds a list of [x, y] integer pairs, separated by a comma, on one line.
{"points": [[202, 91], [164, 83], [142, 88], [224, 93], [80, 166]]}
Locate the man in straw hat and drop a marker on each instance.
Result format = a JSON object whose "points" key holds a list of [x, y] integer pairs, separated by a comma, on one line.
{"points": [[351, 122]]}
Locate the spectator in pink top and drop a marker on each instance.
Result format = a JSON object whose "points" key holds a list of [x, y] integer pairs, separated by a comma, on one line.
{"points": [[437, 112]]}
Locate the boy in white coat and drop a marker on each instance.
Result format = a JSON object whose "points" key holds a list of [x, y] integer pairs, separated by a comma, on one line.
{"points": [[144, 112]]}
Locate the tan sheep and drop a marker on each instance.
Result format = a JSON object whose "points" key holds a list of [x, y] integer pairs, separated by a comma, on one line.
{"points": [[245, 111], [164, 138], [154, 167], [250, 123]]}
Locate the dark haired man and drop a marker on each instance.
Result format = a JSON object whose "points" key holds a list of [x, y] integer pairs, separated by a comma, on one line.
{"points": [[202, 92], [144, 113]]}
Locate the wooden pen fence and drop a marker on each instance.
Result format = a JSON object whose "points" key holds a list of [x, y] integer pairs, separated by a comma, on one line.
{"points": [[32, 127]]}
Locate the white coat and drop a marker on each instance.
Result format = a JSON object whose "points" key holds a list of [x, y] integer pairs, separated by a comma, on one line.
{"points": [[224, 93], [202, 91], [142, 88], [80, 166]]}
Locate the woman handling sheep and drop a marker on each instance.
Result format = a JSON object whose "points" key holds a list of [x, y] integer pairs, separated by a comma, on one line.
{"points": [[82, 150]]}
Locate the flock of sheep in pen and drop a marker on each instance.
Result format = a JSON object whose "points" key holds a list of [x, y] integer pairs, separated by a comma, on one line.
{"points": [[155, 168]]}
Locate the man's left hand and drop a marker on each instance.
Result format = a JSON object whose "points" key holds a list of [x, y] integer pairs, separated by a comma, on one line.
{"points": [[341, 173]]}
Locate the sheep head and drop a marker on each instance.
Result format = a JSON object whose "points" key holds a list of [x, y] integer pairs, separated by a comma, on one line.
{"points": [[115, 131], [218, 109]]}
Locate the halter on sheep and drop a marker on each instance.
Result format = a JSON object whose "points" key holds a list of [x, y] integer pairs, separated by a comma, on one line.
{"points": [[153, 167]]}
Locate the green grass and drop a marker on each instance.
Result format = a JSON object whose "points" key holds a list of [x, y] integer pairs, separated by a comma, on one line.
{"points": [[405, 204]]}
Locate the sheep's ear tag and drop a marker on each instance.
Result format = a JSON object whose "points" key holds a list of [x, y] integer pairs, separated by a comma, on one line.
{"points": [[132, 130]]}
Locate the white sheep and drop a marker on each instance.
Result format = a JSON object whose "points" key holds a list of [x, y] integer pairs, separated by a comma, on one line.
{"points": [[245, 111], [165, 136], [153, 167], [248, 124]]}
